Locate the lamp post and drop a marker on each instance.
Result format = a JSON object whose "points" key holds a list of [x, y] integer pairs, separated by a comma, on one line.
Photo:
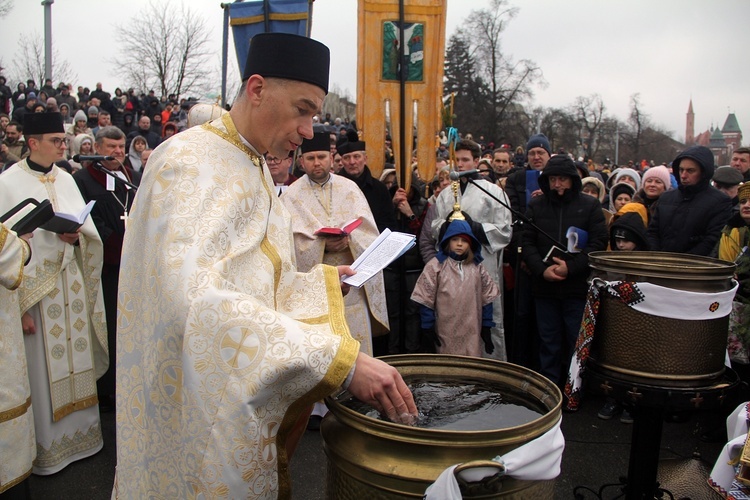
{"points": [[47, 37]]}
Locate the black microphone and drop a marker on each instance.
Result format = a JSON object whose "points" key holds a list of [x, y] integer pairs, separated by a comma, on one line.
{"points": [[80, 158], [454, 176]]}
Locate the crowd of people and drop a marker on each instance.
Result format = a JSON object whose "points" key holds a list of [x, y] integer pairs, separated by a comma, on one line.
{"points": [[223, 247], [85, 112]]}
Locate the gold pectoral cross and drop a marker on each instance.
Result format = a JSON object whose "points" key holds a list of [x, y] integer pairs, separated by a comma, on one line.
{"points": [[124, 219]]}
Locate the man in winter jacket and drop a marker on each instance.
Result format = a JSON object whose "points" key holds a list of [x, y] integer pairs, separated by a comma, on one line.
{"points": [[559, 284], [689, 219]]}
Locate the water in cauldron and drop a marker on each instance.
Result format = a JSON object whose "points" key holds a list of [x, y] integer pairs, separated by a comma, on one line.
{"points": [[458, 405]]}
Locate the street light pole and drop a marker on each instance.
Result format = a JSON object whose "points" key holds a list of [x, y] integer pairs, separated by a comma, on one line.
{"points": [[47, 38]]}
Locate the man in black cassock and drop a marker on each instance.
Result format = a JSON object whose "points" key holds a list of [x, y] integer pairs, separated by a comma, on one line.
{"points": [[113, 202]]}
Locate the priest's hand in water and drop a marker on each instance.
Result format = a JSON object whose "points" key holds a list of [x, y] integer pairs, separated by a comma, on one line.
{"points": [[345, 271], [380, 385]]}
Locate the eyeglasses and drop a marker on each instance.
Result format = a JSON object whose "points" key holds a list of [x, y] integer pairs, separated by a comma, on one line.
{"points": [[58, 141], [271, 160]]}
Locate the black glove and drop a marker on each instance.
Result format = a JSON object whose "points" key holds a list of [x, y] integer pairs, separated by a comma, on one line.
{"points": [[489, 348], [430, 335]]}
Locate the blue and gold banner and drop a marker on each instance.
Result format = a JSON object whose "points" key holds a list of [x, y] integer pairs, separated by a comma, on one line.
{"points": [[275, 16]]}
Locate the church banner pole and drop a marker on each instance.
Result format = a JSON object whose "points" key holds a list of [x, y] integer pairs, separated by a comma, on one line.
{"points": [[403, 73], [224, 54]]}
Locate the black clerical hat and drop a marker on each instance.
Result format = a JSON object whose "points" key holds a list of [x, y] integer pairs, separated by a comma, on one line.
{"points": [[321, 141], [43, 123], [352, 144], [292, 57]]}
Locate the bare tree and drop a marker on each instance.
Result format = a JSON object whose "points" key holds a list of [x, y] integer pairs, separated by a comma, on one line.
{"points": [[166, 48], [5, 7], [589, 113], [637, 123], [509, 81], [28, 61]]}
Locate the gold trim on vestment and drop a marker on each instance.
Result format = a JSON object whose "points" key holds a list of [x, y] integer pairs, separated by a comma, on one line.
{"points": [[233, 136], [5, 487], [4, 233], [340, 366], [16, 412], [271, 254], [69, 408], [320, 320]]}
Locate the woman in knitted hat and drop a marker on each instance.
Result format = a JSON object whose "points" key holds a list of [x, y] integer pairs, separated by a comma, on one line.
{"points": [[628, 175], [82, 144], [656, 180], [594, 187], [621, 194], [79, 126]]}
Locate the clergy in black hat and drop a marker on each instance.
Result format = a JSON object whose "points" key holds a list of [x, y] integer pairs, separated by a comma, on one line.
{"points": [[290, 57], [45, 136], [284, 84], [43, 123], [209, 226]]}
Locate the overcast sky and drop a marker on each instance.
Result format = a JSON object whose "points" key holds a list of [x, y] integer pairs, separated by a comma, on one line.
{"points": [[666, 50]]}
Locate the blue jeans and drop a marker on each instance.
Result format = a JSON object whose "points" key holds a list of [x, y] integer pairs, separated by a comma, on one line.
{"points": [[559, 321]]}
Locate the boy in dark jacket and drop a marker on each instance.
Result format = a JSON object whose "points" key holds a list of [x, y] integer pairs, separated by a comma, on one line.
{"points": [[560, 285]]}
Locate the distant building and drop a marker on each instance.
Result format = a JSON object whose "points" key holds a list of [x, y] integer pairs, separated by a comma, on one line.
{"points": [[690, 128], [721, 141], [732, 133]]}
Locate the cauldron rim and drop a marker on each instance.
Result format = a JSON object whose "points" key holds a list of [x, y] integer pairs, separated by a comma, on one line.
{"points": [[404, 433], [662, 265]]}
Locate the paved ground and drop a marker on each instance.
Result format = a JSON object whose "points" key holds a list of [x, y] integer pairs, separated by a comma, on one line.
{"points": [[596, 453]]}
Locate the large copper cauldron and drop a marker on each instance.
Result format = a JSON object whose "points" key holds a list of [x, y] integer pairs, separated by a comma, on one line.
{"points": [[373, 459], [642, 348]]}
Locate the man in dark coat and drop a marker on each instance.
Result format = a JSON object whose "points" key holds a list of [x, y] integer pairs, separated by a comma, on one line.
{"points": [[559, 284], [689, 219], [110, 217], [523, 338], [144, 129], [354, 157]]}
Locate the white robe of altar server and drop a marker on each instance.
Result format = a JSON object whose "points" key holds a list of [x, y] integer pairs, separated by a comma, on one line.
{"points": [[61, 291], [17, 441]]}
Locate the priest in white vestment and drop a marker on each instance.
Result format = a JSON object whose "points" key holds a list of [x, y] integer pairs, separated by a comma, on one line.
{"points": [[319, 199], [492, 228], [61, 305], [222, 345], [17, 441]]}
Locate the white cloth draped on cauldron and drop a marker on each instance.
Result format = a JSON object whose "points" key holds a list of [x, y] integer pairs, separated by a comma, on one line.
{"points": [[646, 298], [537, 460], [723, 476]]}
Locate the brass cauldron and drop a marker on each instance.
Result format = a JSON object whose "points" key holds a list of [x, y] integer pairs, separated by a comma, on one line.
{"points": [[643, 348], [374, 459]]}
